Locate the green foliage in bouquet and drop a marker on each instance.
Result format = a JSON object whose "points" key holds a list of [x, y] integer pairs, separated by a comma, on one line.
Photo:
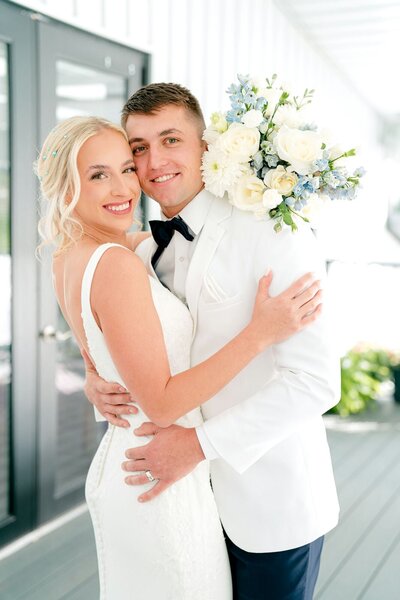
{"points": [[363, 372]]}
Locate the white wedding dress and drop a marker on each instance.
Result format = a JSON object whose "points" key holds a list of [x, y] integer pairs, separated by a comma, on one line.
{"points": [[171, 548]]}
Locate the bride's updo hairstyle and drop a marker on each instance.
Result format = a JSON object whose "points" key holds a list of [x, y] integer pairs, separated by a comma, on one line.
{"points": [[57, 170]]}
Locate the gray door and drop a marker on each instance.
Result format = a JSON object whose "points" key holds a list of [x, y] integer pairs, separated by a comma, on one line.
{"points": [[18, 306], [78, 74]]}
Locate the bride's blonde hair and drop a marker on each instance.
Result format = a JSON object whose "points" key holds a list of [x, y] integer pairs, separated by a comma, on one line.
{"points": [[57, 170]]}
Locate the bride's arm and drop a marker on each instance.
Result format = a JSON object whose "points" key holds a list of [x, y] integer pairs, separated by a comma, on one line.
{"points": [[122, 302]]}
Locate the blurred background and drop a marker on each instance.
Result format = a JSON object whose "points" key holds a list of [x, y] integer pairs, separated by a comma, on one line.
{"points": [[59, 59]]}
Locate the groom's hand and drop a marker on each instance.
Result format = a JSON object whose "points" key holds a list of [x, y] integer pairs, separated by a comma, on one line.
{"points": [[172, 453]]}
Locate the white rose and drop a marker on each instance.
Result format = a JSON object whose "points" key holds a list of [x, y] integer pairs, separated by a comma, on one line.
{"points": [[314, 209], [299, 148], [247, 194], [210, 135], [271, 199], [253, 118], [280, 180], [240, 141]]}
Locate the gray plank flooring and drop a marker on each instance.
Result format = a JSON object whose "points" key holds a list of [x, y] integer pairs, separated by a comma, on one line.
{"points": [[360, 559]]}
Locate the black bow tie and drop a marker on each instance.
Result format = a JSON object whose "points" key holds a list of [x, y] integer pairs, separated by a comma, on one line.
{"points": [[163, 232]]}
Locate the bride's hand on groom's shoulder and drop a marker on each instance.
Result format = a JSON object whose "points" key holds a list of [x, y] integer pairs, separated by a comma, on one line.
{"points": [[172, 453]]}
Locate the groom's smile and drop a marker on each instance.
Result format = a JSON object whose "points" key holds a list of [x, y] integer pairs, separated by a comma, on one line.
{"points": [[167, 149], [165, 178]]}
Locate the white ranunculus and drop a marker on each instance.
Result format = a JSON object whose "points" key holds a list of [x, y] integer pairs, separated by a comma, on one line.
{"points": [[299, 148], [218, 125], [240, 141], [271, 199], [326, 135], [280, 180], [219, 122], [334, 153], [252, 118], [272, 96], [220, 172], [288, 115], [247, 194]]}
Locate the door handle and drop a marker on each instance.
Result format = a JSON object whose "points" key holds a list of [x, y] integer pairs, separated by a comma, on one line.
{"points": [[51, 333]]}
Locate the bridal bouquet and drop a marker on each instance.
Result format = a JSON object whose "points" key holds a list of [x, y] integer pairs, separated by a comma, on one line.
{"points": [[270, 159]]}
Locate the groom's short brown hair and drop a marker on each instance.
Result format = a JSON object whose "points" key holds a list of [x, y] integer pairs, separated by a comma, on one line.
{"points": [[151, 98]]}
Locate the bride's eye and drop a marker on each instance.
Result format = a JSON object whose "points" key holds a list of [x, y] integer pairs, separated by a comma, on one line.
{"points": [[130, 170], [98, 175]]}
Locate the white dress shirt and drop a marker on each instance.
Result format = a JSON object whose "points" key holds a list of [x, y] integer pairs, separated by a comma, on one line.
{"points": [[173, 264]]}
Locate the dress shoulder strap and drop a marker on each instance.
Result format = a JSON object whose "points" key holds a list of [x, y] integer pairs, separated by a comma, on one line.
{"points": [[88, 278]]}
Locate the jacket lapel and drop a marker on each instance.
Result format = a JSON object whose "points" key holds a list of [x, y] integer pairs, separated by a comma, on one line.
{"points": [[208, 242], [145, 251]]}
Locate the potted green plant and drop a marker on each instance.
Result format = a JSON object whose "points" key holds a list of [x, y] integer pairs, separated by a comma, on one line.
{"points": [[363, 370], [394, 363]]}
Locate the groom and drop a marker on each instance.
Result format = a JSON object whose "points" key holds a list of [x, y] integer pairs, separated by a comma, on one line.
{"points": [[263, 434]]}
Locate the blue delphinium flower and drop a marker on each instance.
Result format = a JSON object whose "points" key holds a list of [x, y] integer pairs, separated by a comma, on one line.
{"points": [[308, 127], [359, 172], [260, 103], [334, 178], [233, 89], [243, 79], [321, 164], [258, 160], [234, 116], [272, 160]]}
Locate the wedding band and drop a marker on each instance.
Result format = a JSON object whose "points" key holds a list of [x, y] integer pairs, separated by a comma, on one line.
{"points": [[149, 476]]}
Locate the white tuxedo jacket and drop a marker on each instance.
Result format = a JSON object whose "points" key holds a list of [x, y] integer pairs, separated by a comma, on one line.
{"points": [[273, 482]]}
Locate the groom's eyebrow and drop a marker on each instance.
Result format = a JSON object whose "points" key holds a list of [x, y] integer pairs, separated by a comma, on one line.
{"points": [[169, 131], [161, 134]]}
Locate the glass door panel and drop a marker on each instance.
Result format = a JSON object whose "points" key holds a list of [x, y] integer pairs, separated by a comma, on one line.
{"points": [[5, 286], [18, 284], [84, 75], [85, 91], [79, 91]]}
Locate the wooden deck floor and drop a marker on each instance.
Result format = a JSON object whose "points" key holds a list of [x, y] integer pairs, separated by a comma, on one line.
{"points": [[361, 556]]}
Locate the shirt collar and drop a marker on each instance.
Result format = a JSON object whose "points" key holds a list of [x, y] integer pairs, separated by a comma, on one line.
{"points": [[195, 213]]}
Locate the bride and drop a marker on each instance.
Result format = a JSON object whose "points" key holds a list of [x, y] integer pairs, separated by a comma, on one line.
{"points": [[139, 334]]}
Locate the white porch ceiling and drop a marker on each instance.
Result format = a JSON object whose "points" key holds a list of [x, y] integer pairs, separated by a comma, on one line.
{"points": [[362, 38]]}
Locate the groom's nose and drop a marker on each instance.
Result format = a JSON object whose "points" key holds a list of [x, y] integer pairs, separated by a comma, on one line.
{"points": [[157, 158]]}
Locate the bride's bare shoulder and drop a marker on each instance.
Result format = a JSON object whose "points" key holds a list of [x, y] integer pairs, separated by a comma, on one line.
{"points": [[119, 266]]}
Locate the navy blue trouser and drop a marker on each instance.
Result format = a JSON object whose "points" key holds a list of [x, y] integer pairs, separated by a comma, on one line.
{"points": [[287, 575]]}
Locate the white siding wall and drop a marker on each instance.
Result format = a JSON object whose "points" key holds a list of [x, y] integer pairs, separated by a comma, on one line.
{"points": [[204, 43]]}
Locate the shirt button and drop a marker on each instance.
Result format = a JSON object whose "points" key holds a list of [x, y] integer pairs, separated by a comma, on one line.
{"points": [[181, 258]]}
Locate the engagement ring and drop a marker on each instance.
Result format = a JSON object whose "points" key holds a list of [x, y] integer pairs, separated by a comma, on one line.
{"points": [[149, 476]]}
